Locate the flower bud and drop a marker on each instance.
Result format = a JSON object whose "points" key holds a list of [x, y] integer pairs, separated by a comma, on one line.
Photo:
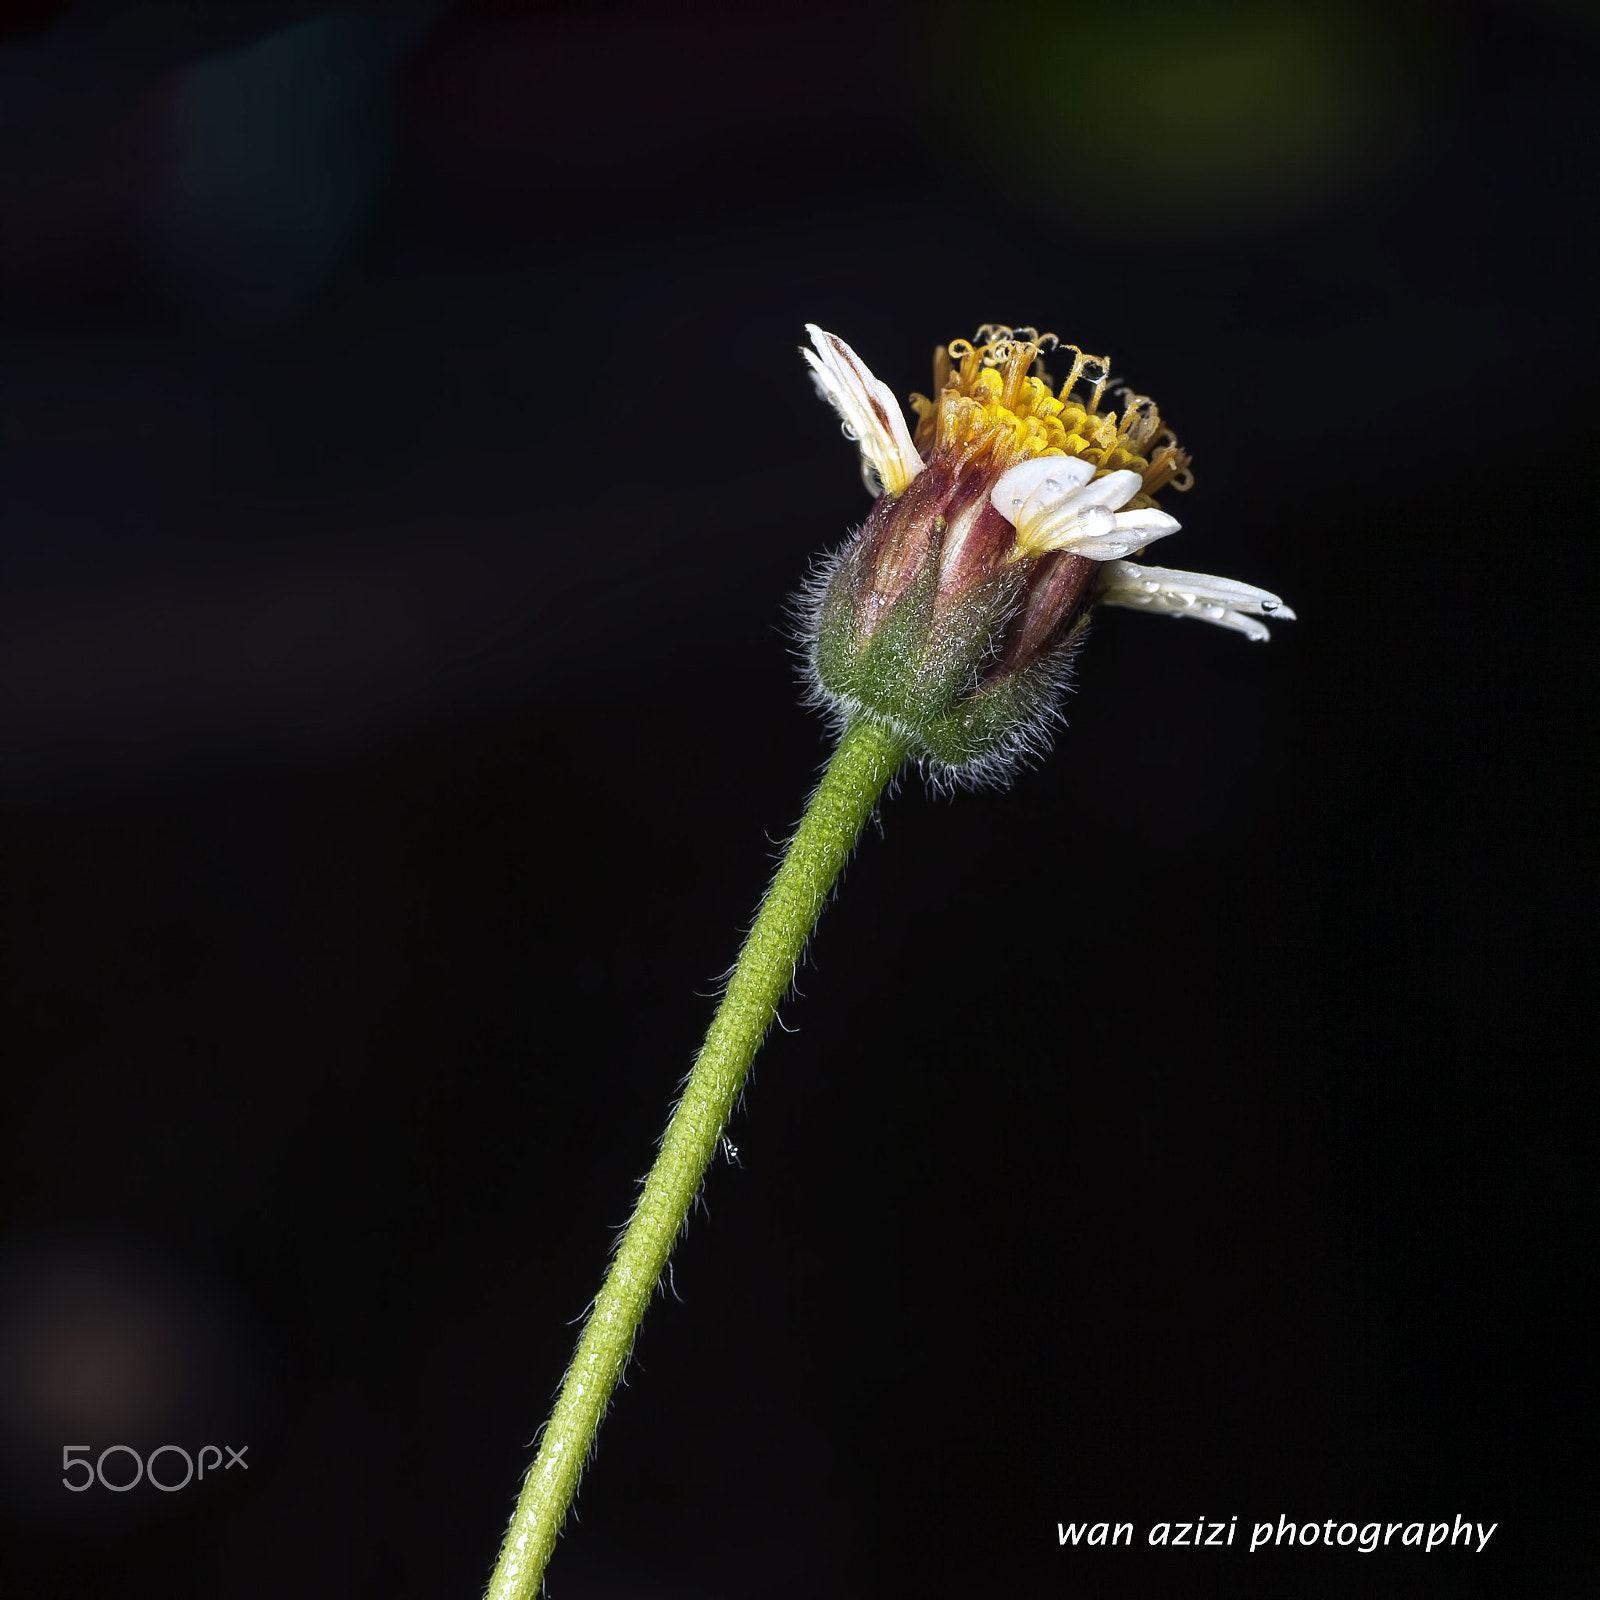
{"points": [[952, 615]]}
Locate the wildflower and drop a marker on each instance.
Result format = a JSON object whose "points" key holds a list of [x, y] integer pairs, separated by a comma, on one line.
{"points": [[953, 614], [942, 630]]}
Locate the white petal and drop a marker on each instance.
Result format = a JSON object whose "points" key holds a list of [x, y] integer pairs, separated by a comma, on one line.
{"points": [[1114, 490], [1223, 601], [1070, 527], [1152, 524], [1256, 632], [1055, 506], [1054, 501], [1198, 585], [1128, 531], [868, 409], [1017, 484]]}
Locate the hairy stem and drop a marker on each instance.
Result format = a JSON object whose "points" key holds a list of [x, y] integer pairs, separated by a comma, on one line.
{"points": [[867, 758]]}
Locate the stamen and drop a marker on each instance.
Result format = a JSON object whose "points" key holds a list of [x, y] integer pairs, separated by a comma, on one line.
{"points": [[1100, 377], [1078, 359], [1019, 359], [992, 393]]}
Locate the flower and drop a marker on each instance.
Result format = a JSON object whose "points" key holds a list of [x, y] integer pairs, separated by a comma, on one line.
{"points": [[953, 613]]}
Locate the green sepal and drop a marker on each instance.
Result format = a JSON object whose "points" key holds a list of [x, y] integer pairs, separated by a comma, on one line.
{"points": [[919, 663]]}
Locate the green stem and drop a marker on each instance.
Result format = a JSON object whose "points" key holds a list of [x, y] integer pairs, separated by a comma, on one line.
{"points": [[867, 758]]}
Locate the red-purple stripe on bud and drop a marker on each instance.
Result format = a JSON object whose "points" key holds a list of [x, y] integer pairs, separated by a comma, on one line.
{"points": [[930, 622]]}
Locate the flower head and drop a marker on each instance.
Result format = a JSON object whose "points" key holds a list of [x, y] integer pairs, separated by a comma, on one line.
{"points": [[954, 611]]}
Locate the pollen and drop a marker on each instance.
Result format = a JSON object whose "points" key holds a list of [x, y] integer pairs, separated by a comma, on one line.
{"points": [[995, 402]]}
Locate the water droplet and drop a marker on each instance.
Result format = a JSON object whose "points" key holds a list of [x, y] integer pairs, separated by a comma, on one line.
{"points": [[1151, 586], [1053, 485], [1269, 606]]}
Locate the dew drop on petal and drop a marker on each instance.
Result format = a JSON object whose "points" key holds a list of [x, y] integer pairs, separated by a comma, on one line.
{"points": [[1269, 606]]}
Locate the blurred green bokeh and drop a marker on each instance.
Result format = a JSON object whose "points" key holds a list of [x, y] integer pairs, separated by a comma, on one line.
{"points": [[1206, 110]]}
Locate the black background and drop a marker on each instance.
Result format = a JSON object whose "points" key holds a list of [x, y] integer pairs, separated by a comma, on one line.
{"points": [[404, 461]]}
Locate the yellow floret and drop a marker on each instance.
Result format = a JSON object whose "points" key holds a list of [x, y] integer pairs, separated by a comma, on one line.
{"points": [[991, 406]]}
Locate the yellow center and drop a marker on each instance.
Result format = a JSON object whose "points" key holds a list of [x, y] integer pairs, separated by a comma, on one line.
{"points": [[992, 403]]}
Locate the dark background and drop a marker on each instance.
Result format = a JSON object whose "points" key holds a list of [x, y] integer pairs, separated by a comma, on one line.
{"points": [[404, 461]]}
